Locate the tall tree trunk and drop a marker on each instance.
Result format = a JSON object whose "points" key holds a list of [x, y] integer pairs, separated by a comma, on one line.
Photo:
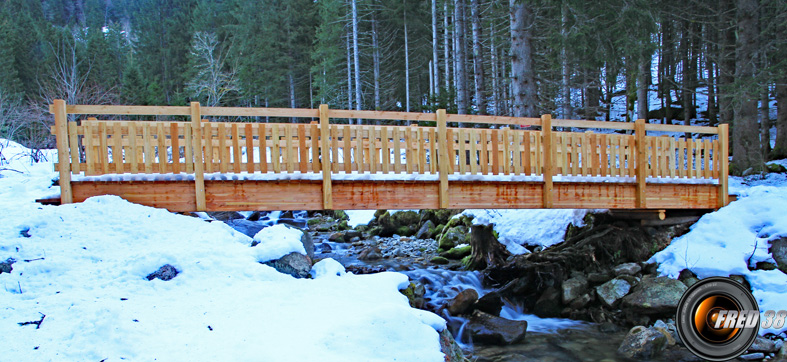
{"points": [[643, 83], [461, 57], [745, 136], [565, 85], [435, 59], [523, 81], [478, 58], [406, 66], [495, 74], [726, 61], [685, 46], [765, 121], [376, 61], [291, 82], [349, 74], [356, 58], [446, 46], [711, 81], [780, 149]]}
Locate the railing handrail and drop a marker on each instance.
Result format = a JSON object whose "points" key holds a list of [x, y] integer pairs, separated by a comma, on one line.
{"points": [[373, 115]]}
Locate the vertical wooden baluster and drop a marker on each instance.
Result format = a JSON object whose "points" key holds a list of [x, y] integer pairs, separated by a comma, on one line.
{"points": [[147, 144], [235, 148], [290, 147], [642, 163], [483, 152], [473, 159], [397, 157], [575, 154], [327, 195], [517, 151], [672, 163], [276, 149], [207, 137], [90, 153], [117, 149], [495, 142], [421, 151], [433, 159], [263, 148], [506, 151], [223, 150], [303, 151], [443, 154], [450, 150], [716, 159], [315, 138], [708, 170], [188, 147], [603, 154], [549, 165], [386, 153], [359, 149], [408, 150], [372, 150], [73, 137], [248, 133], [174, 137]]}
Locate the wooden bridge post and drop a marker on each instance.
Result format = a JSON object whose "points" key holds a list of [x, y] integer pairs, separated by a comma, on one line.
{"points": [[549, 167], [724, 141], [642, 162], [327, 197], [196, 144], [443, 155], [64, 164]]}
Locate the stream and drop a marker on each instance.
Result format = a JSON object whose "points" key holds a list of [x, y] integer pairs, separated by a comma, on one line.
{"points": [[548, 339]]}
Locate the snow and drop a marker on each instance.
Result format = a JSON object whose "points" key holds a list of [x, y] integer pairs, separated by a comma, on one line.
{"points": [[516, 228], [734, 238], [359, 217], [327, 268], [277, 241], [84, 266]]}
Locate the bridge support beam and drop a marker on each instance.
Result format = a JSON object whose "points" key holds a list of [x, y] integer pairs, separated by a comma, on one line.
{"points": [[549, 165], [61, 129], [724, 170], [642, 162], [196, 144], [327, 197], [443, 154]]}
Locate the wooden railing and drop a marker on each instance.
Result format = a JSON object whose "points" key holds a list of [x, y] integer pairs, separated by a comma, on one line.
{"points": [[98, 147]]}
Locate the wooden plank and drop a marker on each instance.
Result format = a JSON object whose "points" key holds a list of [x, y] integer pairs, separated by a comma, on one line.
{"points": [[334, 148], [289, 148], [673, 165], [449, 146], [442, 137], [564, 158], [276, 149], [690, 158], [575, 145], [236, 151], [90, 152], [117, 148], [73, 146], [603, 154], [506, 151], [495, 151], [501, 120], [174, 137], [303, 152], [386, 153], [262, 134], [716, 159], [681, 128], [223, 150], [723, 190], [549, 166], [315, 148], [260, 112], [409, 159], [382, 115], [483, 155], [421, 151], [128, 110], [681, 159], [132, 139], [327, 198], [642, 164], [372, 150], [188, 148], [248, 133], [592, 148], [147, 141], [463, 161], [397, 150], [61, 132], [707, 148], [347, 149], [199, 177], [592, 124], [517, 152]]}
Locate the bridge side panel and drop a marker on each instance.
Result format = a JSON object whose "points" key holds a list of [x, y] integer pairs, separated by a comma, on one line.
{"points": [[373, 195], [264, 195], [175, 196]]}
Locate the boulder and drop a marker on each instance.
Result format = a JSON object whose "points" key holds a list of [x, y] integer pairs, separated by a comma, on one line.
{"points": [[548, 304], [753, 356], [225, 215], [439, 260], [245, 227], [449, 347], [612, 291], [573, 288], [599, 277], [352, 234], [643, 343], [458, 252], [295, 264], [338, 237], [489, 329], [490, 303], [403, 223], [452, 237], [655, 295], [762, 344], [166, 272], [462, 302], [426, 230], [627, 269], [415, 293], [778, 250], [5, 267], [371, 253], [775, 168], [581, 302]]}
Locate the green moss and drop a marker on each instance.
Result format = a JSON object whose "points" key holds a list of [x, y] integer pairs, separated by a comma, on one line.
{"points": [[438, 230], [466, 261], [362, 228], [439, 260], [343, 225], [340, 215], [313, 222], [404, 231], [458, 252]]}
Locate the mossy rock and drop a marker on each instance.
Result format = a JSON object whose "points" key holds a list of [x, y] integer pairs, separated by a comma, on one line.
{"points": [[379, 213], [439, 260], [404, 231], [438, 230], [458, 252], [375, 231], [453, 237], [362, 228], [342, 225], [466, 261], [340, 215], [415, 295], [775, 168], [314, 221], [403, 223]]}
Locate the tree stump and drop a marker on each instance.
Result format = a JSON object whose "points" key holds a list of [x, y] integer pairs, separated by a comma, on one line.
{"points": [[487, 251]]}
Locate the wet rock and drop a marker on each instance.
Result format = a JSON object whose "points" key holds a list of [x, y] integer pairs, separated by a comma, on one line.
{"points": [[548, 304], [226, 215], [680, 354], [489, 329], [439, 260], [762, 344], [612, 291], [245, 227], [690, 281], [338, 237], [581, 302], [371, 253], [669, 330], [404, 223], [5, 267], [778, 249], [458, 252], [415, 294], [608, 328], [599, 277], [295, 264], [352, 234], [449, 347], [426, 230], [453, 237], [643, 343], [753, 356], [462, 302], [765, 265], [775, 168], [627, 269], [325, 248], [573, 288], [166, 272], [490, 303], [655, 295], [364, 269]]}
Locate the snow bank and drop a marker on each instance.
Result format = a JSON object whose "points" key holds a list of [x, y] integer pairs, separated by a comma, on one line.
{"points": [[359, 217], [277, 241], [516, 228], [84, 266], [732, 239]]}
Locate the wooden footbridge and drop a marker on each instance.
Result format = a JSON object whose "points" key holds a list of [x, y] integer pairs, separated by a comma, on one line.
{"points": [[235, 162]]}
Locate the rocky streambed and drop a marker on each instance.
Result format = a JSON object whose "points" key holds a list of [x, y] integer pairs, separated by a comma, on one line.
{"points": [[590, 298]]}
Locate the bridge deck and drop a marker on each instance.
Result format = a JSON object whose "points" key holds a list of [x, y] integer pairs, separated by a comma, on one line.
{"points": [[214, 166]]}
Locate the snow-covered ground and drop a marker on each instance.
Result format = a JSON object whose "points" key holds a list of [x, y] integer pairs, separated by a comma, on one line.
{"points": [[84, 267]]}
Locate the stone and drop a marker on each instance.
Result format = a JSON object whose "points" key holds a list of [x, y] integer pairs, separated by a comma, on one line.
{"points": [[452, 237], [257, 215], [766, 265], [581, 302], [612, 291], [488, 329], [403, 223], [295, 264], [166, 272], [690, 281], [426, 230], [462, 302], [627, 269], [655, 295], [669, 330], [325, 248], [643, 343], [449, 347], [548, 304], [415, 293], [778, 249], [225, 215], [458, 252], [608, 328], [245, 227], [599, 277], [762, 344], [775, 168], [753, 356], [371, 253], [490, 303], [352, 234], [439, 260], [6, 266], [573, 288], [338, 237]]}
